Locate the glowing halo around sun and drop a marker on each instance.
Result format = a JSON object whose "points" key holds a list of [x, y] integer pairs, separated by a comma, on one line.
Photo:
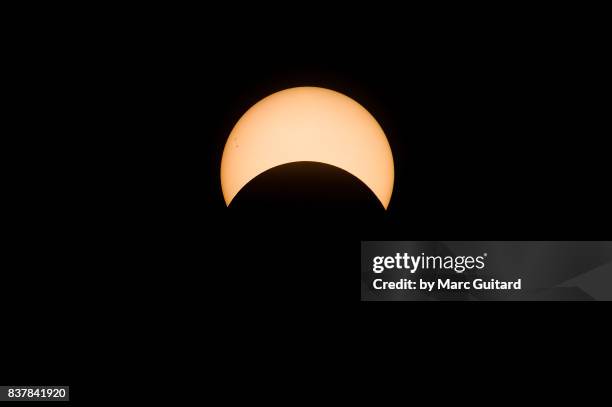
{"points": [[308, 124]]}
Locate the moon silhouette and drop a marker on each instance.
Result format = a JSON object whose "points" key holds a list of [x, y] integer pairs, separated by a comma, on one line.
{"points": [[308, 124]]}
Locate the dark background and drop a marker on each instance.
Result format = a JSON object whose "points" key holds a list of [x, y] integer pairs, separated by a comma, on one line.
{"points": [[497, 132]]}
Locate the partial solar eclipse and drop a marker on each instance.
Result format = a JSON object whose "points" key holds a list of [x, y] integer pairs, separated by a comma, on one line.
{"points": [[308, 124]]}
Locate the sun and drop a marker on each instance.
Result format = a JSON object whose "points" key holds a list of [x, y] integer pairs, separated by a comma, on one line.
{"points": [[308, 124]]}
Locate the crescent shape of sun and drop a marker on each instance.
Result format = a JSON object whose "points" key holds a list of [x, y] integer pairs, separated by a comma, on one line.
{"points": [[308, 124]]}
